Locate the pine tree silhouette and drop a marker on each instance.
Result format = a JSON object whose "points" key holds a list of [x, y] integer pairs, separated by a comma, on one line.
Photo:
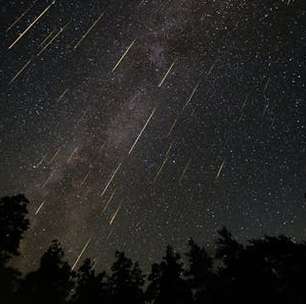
{"points": [[228, 249], [285, 262], [52, 282], [90, 287], [13, 224], [228, 252], [266, 270], [200, 275], [126, 281], [166, 281]]}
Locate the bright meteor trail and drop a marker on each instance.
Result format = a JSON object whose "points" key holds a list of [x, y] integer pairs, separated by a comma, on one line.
{"points": [[32, 24], [130, 125]]}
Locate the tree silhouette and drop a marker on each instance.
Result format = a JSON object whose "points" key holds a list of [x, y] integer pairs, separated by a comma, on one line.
{"points": [[251, 269], [90, 287], [199, 274], [228, 252], [266, 270], [52, 282], [126, 281], [13, 224], [287, 262], [166, 281], [228, 249]]}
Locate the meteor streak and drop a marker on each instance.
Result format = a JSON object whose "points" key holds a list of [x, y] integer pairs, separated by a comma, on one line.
{"points": [[54, 156], [71, 155], [41, 161], [114, 215], [144, 127], [88, 31], [80, 255], [163, 164], [20, 71], [122, 57], [166, 75], [111, 178], [54, 37], [192, 94], [47, 180], [242, 108], [46, 39], [220, 169], [40, 206], [172, 127], [110, 234], [84, 179], [184, 171], [109, 200], [31, 25], [211, 69], [62, 95], [21, 16]]}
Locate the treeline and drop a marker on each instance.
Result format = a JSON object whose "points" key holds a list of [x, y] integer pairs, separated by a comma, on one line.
{"points": [[267, 270]]}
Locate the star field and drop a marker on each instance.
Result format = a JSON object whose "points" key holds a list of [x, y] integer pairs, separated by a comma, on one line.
{"points": [[135, 124]]}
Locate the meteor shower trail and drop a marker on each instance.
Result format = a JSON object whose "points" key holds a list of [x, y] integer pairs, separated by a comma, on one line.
{"points": [[130, 125]]}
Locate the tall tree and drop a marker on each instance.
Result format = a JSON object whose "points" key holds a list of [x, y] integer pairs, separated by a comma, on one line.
{"points": [[247, 271], [283, 268], [52, 282], [228, 253], [126, 281], [13, 224], [228, 249], [167, 284], [200, 275], [90, 287]]}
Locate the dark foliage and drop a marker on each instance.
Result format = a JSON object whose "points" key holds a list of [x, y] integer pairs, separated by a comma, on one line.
{"points": [[91, 287], [199, 275], [266, 270], [52, 282], [126, 281], [13, 223], [167, 284]]}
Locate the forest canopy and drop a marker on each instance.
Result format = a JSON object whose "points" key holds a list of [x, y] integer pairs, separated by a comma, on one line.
{"points": [[266, 270]]}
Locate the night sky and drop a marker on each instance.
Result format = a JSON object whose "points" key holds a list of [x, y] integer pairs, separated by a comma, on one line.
{"points": [[131, 125]]}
